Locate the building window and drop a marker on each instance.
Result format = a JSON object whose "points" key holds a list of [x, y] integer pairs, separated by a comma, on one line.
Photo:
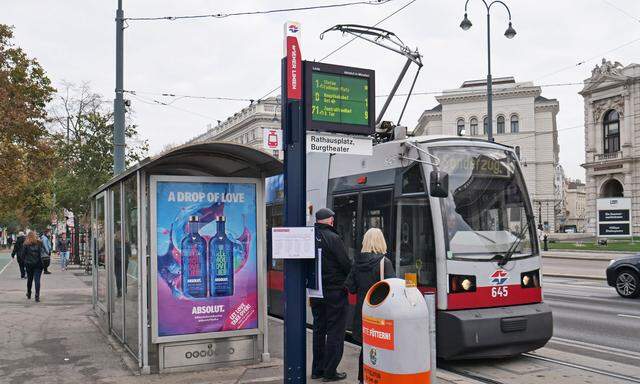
{"points": [[611, 125], [515, 124], [500, 125], [473, 126], [460, 126], [485, 123]]}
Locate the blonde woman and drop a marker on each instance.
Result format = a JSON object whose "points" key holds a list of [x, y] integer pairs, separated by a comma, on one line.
{"points": [[365, 272]]}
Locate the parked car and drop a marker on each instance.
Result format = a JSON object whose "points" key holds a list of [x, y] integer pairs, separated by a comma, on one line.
{"points": [[624, 275]]}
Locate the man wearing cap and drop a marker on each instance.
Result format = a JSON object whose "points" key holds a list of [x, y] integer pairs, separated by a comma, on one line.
{"points": [[330, 312]]}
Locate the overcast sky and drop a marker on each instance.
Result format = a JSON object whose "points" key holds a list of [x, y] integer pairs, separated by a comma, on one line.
{"points": [[239, 57]]}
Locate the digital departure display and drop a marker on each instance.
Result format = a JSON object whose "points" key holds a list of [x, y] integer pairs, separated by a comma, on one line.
{"points": [[339, 99]]}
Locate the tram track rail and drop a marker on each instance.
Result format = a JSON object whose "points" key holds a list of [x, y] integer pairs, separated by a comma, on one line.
{"points": [[581, 367], [481, 378]]}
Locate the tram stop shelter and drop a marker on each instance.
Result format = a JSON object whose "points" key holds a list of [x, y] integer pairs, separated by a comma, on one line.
{"points": [[179, 257]]}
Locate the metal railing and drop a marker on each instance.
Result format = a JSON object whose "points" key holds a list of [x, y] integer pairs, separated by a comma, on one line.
{"points": [[607, 156]]}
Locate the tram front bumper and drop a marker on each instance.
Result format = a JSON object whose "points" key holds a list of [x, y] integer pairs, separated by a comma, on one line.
{"points": [[493, 332]]}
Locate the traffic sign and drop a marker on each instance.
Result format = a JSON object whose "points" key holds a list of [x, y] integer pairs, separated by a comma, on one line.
{"points": [[272, 139]]}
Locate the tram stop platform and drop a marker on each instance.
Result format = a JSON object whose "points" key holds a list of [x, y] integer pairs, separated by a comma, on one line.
{"points": [[59, 341]]}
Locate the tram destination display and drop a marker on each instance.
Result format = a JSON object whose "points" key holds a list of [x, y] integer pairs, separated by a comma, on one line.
{"points": [[339, 99]]}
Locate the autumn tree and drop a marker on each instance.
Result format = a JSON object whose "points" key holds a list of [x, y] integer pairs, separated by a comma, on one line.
{"points": [[26, 154], [82, 127]]}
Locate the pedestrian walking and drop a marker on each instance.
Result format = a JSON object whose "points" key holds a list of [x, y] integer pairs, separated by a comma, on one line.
{"points": [[330, 312], [46, 244], [63, 250], [17, 253], [369, 267], [9, 241], [33, 252]]}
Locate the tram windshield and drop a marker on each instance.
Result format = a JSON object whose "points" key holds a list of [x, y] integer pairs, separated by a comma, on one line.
{"points": [[486, 212]]}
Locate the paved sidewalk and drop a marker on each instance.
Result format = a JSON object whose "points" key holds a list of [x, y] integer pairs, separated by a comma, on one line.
{"points": [[57, 341]]}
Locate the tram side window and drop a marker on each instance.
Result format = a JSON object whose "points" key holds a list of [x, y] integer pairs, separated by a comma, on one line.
{"points": [[376, 213], [275, 218], [412, 181], [415, 241], [346, 209]]}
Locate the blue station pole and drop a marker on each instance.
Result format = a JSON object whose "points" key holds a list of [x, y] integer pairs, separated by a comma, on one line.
{"points": [[294, 209]]}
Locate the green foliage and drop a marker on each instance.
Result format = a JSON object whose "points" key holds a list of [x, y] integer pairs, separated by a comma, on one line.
{"points": [[614, 245], [26, 155], [83, 132]]}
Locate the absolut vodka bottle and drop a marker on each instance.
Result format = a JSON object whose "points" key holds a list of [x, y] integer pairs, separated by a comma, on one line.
{"points": [[194, 261], [221, 261]]}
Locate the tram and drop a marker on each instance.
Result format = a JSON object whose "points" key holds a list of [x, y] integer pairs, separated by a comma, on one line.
{"points": [[455, 211]]}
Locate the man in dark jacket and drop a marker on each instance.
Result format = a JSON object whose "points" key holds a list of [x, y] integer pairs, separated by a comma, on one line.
{"points": [[330, 312], [17, 252]]}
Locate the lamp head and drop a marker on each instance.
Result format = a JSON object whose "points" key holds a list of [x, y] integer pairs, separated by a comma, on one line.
{"points": [[510, 32], [466, 23]]}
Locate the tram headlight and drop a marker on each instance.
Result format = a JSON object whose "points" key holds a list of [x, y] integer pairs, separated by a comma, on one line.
{"points": [[462, 283], [530, 279]]}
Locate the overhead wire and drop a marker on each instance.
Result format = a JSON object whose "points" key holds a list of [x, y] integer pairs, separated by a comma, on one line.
{"points": [[621, 10], [349, 42], [155, 102], [259, 12]]}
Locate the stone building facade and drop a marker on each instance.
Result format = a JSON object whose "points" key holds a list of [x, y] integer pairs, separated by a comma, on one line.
{"points": [[246, 126], [576, 204], [612, 137], [522, 118]]}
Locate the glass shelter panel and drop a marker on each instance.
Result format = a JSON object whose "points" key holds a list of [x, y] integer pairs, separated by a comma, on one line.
{"points": [[117, 314], [99, 261], [131, 263]]}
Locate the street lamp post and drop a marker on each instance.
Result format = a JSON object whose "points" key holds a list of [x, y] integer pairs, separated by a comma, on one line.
{"points": [[509, 33]]}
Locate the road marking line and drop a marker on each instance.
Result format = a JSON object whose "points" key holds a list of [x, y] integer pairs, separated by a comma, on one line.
{"points": [[632, 316], [8, 264]]}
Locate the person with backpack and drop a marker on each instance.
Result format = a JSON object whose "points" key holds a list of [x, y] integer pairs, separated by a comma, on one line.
{"points": [[46, 244], [17, 253], [370, 266], [33, 253]]}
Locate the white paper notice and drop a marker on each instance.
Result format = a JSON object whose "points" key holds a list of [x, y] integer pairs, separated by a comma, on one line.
{"points": [[293, 242], [317, 292]]}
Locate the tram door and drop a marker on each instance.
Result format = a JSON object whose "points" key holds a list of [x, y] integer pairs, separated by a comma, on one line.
{"points": [[415, 242], [357, 212]]}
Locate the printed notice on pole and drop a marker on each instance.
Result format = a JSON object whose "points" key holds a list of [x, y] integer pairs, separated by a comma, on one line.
{"points": [[339, 144], [293, 242]]}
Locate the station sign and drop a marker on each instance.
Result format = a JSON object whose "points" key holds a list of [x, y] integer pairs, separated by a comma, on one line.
{"points": [[339, 144], [292, 34], [614, 217], [339, 99], [272, 139]]}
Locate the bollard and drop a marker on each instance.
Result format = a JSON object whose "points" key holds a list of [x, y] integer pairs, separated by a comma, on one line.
{"points": [[395, 335], [546, 243]]}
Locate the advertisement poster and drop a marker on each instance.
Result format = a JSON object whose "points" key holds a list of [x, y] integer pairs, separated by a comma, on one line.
{"points": [[206, 257]]}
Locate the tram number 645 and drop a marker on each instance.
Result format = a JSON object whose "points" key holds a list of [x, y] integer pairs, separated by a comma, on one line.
{"points": [[499, 291]]}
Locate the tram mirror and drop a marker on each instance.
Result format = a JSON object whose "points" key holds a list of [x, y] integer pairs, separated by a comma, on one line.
{"points": [[439, 184]]}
